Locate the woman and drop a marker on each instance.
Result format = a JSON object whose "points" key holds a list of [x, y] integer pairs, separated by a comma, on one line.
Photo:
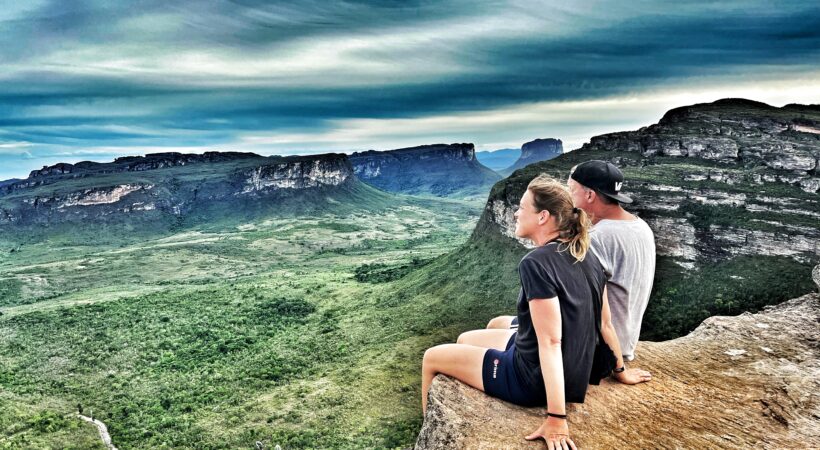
{"points": [[562, 301]]}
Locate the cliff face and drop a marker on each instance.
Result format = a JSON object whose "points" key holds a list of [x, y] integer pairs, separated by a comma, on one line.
{"points": [[735, 382], [153, 161], [734, 131], [702, 200], [167, 187], [439, 169], [535, 151]]}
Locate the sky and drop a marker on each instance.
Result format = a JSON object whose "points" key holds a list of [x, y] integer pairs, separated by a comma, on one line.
{"points": [[94, 80]]}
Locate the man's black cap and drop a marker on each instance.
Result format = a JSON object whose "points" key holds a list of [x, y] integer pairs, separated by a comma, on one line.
{"points": [[603, 177]]}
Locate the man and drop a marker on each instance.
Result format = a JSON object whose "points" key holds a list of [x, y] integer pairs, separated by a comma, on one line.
{"points": [[623, 243]]}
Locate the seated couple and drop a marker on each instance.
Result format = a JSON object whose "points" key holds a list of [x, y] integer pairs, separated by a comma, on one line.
{"points": [[562, 313]]}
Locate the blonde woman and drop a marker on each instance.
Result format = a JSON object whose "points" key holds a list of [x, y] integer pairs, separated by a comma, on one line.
{"points": [[562, 311]]}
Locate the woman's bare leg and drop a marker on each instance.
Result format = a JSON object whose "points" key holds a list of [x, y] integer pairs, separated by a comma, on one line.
{"points": [[496, 339], [501, 322], [463, 362]]}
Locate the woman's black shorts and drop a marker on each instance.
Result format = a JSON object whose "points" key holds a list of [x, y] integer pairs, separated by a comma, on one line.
{"points": [[501, 378]]}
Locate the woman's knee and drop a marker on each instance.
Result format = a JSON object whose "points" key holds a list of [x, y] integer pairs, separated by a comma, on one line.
{"points": [[431, 357], [500, 322]]}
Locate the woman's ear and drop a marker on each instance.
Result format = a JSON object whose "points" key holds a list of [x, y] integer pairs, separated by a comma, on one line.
{"points": [[543, 217]]}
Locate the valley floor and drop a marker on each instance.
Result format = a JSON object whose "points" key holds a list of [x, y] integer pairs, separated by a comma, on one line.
{"points": [[274, 332]]}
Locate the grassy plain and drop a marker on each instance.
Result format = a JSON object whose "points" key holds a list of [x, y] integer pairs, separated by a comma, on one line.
{"points": [[280, 331]]}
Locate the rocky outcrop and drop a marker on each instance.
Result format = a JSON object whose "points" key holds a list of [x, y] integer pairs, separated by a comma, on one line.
{"points": [[739, 382], [729, 130], [297, 175], [535, 151], [440, 169], [152, 161], [165, 191], [704, 201]]}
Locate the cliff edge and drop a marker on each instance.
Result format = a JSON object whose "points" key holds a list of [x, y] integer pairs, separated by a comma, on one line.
{"points": [[734, 382]]}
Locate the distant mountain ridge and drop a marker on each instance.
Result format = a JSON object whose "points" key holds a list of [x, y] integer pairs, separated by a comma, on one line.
{"points": [[498, 159], [438, 169], [535, 151], [160, 192]]}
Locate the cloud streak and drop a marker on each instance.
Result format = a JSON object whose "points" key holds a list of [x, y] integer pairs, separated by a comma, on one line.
{"points": [[313, 76]]}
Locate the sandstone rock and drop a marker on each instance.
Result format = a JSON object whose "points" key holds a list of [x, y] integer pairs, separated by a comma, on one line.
{"points": [[535, 151], [86, 193], [439, 169], [749, 381], [729, 130], [815, 276]]}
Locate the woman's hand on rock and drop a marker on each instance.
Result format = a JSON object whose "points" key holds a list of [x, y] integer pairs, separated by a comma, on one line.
{"points": [[556, 433], [633, 376]]}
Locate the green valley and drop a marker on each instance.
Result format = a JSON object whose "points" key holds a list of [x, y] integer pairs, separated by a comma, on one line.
{"points": [[212, 338]]}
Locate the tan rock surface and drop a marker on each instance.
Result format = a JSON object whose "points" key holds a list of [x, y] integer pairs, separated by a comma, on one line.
{"points": [[750, 381]]}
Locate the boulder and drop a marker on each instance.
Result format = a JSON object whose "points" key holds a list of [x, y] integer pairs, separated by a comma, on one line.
{"points": [[747, 381]]}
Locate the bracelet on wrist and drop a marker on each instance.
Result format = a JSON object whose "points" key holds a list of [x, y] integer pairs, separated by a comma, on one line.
{"points": [[619, 369], [557, 416]]}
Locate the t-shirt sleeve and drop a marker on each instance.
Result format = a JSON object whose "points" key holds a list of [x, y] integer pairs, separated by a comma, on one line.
{"points": [[598, 249], [536, 281]]}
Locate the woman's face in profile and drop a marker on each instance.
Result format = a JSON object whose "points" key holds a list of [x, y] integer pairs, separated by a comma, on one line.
{"points": [[526, 217]]}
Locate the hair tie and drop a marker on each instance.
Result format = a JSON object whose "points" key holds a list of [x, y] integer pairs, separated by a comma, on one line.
{"points": [[576, 211]]}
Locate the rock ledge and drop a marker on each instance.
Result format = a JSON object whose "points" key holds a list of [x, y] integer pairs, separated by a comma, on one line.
{"points": [[734, 382]]}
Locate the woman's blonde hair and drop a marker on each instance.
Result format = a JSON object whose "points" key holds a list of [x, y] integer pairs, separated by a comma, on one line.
{"points": [[573, 223]]}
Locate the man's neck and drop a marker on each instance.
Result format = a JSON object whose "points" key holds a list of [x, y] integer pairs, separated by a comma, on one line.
{"points": [[612, 212]]}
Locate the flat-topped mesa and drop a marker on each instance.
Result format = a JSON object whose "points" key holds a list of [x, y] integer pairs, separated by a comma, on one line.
{"points": [[150, 161], [449, 152], [134, 187], [729, 131], [748, 381], [439, 169], [535, 151]]}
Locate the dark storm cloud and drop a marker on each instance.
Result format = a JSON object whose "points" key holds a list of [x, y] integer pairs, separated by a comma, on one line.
{"points": [[84, 73]]}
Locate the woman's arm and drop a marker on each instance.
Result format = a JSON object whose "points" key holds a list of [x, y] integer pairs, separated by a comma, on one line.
{"points": [[631, 376], [546, 319]]}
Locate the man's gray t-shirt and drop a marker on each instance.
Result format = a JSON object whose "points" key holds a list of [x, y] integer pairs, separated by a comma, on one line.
{"points": [[626, 249]]}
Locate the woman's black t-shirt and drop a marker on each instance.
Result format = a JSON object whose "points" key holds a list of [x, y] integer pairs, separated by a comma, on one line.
{"points": [[551, 271]]}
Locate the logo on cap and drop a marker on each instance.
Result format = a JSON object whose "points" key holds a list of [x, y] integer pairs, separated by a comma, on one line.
{"points": [[618, 185]]}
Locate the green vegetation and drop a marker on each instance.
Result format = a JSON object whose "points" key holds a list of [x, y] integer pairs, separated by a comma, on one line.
{"points": [[682, 300], [220, 337], [383, 273]]}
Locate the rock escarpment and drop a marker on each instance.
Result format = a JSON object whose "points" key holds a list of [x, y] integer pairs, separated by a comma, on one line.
{"points": [[734, 131], [749, 381], [440, 169], [535, 151], [169, 187], [703, 201], [152, 161]]}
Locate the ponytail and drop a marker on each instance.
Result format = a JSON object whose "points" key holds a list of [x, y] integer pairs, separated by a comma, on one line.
{"points": [[576, 236], [573, 223]]}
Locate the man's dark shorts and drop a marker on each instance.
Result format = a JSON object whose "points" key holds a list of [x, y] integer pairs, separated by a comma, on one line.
{"points": [[501, 379]]}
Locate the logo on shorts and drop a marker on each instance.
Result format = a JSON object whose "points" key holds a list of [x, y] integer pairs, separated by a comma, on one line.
{"points": [[495, 368]]}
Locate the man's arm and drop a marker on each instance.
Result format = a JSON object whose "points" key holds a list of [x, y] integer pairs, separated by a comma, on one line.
{"points": [[631, 376]]}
